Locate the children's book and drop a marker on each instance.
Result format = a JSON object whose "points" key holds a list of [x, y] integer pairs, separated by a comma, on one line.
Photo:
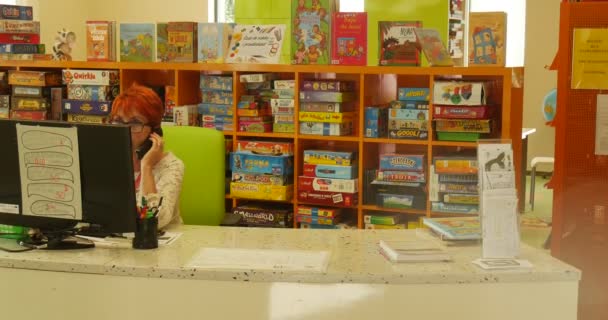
{"points": [[433, 48], [487, 38], [256, 43], [349, 38], [311, 27], [100, 41], [456, 228], [137, 42], [162, 42], [182, 40], [214, 41], [398, 45]]}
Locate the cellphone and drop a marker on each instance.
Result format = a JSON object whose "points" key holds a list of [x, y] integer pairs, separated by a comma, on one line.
{"points": [[145, 147]]}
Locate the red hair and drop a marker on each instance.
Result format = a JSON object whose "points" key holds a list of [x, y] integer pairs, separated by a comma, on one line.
{"points": [[141, 100]]}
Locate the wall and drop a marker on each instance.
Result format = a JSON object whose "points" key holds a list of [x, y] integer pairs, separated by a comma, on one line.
{"points": [[542, 30], [72, 14]]}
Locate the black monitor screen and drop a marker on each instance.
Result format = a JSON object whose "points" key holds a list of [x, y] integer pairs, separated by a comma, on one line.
{"points": [[106, 173]]}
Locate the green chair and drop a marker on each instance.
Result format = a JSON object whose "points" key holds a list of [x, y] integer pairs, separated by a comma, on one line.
{"points": [[203, 152]]}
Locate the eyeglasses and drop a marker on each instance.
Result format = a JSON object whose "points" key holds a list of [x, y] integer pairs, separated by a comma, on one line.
{"points": [[136, 126]]}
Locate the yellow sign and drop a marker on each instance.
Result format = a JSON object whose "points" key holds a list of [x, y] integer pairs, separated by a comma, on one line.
{"points": [[590, 59]]}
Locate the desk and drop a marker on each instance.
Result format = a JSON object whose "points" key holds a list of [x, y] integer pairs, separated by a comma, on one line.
{"points": [[358, 284], [525, 132]]}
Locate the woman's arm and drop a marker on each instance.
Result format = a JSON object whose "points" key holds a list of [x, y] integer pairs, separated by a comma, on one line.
{"points": [[168, 187]]}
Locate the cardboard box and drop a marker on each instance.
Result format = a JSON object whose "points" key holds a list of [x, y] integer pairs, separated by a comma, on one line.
{"points": [[408, 114], [254, 163], [253, 113], [414, 94], [412, 134], [260, 77], [285, 103], [369, 226], [5, 113], [28, 115], [33, 78], [265, 147], [82, 118], [376, 120], [395, 124], [265, 215], [329, 157], [260, 178], [283, 93], [327, 85], [33, 104], [95, 93], [328, 198], [317, 220], [91, 77], [318, 211], [283, 127], [260, 191], [460, 93], [327, 106], [412, 105], [395, 201], [284, 118], [402, 162], [87, 107], [216, 96], [326, 129], [255, 126], [19, 26], [447, 112], [326, 117], [216, 82], [13, 12], [221, 126], [330, 171], [401, 176], [215, 109], [185, 115], [284, 84], [327, 185], [320, 96], [31, 92], [478, 126], [216, 118]]}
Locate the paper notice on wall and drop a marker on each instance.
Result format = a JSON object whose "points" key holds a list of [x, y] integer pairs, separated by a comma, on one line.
{"points": [[601, 125], [590, 58], [50, 172]]}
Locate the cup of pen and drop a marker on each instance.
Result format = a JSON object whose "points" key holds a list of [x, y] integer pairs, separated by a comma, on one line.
{"points": [[146, 232]]}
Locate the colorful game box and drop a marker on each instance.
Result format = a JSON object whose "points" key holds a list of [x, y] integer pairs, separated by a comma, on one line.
{"points": [[395, 201], [257, 77], [34, 104], [265, 215], [413, 134], [401, 176], [283, 127], [327, 85], [469, 112], [398, 43], [376, 119], [326, 129], [349, 38], [284, 103], [317, 220], [260, 191], [28, 115], [182, 41], [216, 96], [460, 93], [22, 48], [422, 125], [318, 211], [137, 42], [321, 96], [381, 220], [326, 107], [95, 93], [414, 94], [327, 185], [19, 26], [265, 147], [216, 118], [91, 77], [33, 78], [328, 198], [454, 208], [330, 171], [255, 163], [216, 82], [408, 114], [84, 118], [185, 115], [216, 109], [459, 198], [457, 165], [284, 84], [100, 108], [259, 178], [450, 125], [12, 12], [459, 188], [409, 104], [284, 118], [31, 38], [402, 162], [329, 157], [326, 117], [255, 126], [214, 41], [311, 31], [31, 92]]}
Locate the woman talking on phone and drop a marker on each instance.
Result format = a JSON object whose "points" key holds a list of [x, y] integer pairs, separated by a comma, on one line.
{"points": [[158, 174]]}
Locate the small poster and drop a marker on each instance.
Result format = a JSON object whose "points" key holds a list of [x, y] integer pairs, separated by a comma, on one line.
{"points": [[589, 63], [256, 44], [50, 172]]}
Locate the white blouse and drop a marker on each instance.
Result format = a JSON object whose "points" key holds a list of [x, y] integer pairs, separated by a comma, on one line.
{"points": [[168, 176]]}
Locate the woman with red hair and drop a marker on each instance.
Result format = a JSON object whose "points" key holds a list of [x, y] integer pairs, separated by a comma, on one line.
{"points": [[158, 174]]}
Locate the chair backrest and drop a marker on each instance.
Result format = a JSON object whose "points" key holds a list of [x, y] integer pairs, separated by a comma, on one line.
{"points": [[203, 152]]}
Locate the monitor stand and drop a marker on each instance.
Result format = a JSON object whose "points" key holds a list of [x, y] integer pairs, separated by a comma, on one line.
{"points": [[58, 241]]}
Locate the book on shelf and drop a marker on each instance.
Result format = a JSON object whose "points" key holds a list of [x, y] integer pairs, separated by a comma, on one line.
{"points": [[137, 42], [433, 48], [349, 38], [487, 38], [256, 44], [101, 36], [311, 31], [413, 251], [397, 41]]}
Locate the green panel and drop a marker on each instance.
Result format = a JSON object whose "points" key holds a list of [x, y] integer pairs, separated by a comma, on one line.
{"points": [[432, 13], [252, 9], [280, 9]]}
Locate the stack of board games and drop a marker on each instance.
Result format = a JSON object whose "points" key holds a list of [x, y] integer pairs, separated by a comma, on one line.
{"points": [[461, 111], [400, 182], [36, 95], [326, 107], [311, 31], [101, 40], [137, 42], [454, 187], [254, 111], [398, 43], [282, 106], [265, 215], [408, 117], [329, 178], [20, 35], [262, 170], [90, 94], [384, 221], [216, 111], [314, 217], [213, 41], [182, 42], [5, 96]]}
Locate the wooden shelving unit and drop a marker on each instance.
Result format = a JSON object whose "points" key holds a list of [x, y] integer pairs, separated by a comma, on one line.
{"points": [[376, 85]]}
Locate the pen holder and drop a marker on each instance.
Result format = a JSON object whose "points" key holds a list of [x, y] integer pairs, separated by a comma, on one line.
{"points": [[146, 234]]}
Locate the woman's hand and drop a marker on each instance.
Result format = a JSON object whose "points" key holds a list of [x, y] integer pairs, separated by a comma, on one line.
{"points": [[155, 154]]}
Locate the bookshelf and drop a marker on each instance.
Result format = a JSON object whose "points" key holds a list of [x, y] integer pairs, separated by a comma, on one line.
{"points": [[375, 85]]}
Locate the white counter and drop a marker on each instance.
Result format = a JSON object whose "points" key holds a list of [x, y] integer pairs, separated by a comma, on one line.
{"points": [[357, 277]]}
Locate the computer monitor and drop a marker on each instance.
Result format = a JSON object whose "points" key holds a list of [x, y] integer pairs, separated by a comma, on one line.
{"points": [[106, 176]]}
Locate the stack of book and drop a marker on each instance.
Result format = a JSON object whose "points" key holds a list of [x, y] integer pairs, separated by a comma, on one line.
{"points": [[20, 35], [101, 40], [262, 170], [36, 95], [461, 111], [283, 106], [330, 178], [254, 107], [454, 187], [216, 107], [326, 107], [384, 221], [408, 117], [400, 182], [313, 217], [90, 94]]}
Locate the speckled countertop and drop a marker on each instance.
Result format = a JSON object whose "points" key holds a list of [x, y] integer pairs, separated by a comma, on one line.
{"points": [[354, 259]]}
